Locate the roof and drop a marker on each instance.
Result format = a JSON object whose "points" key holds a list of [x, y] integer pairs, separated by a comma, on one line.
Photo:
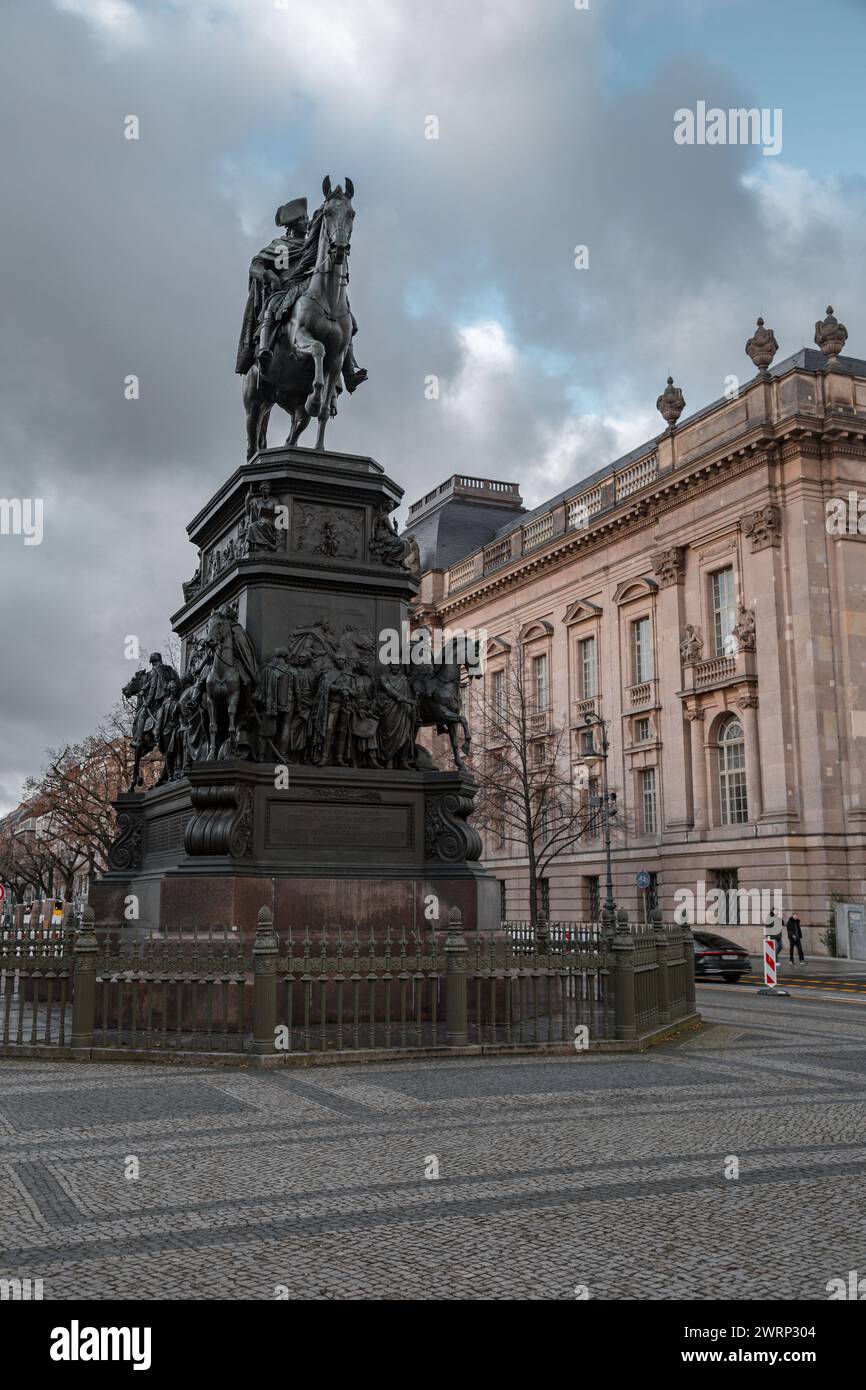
{"points": [[808, 359]]}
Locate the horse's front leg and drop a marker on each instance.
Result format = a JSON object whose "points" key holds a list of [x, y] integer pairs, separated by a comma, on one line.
{"points": [[212, 727], [300, 420], [327, 404], [452, 734], [233, 708], [305, 345], [264, 417], [253, 404]]}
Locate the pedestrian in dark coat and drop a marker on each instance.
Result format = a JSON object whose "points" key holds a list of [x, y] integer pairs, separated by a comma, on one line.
{"points": [[795, 936]]}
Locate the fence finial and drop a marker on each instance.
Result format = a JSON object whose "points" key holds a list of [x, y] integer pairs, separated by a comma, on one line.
{"points": [[265, 919], [455, 918]]}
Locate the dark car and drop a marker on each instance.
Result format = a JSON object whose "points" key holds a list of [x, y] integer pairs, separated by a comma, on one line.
{"points": [[716, 955]]}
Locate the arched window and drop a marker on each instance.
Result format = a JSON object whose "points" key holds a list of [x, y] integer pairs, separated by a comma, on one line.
{"points": [[731, 753]]}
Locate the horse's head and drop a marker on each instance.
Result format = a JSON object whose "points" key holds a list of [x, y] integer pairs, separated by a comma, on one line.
{"points": [[133, 687], [216, 629], [337, 217]]}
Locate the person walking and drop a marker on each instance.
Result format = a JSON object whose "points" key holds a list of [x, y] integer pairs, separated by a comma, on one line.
{"points": [[774, 928], [795, 936]]}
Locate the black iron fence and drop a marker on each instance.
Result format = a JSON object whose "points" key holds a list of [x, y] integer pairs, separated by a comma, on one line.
{"points": [[186, 992], [35, 986], [110, 991]]}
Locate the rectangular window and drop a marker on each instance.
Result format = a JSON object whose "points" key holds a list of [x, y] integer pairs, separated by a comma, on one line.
{"points": [[642, 656], [648, 800], [728, 880], [724, 610], [498, 700], [539, 682], [539, 753], [503, 900], [731, 753], [587, 668], [593, 898], [545, 897], [642, 731]]}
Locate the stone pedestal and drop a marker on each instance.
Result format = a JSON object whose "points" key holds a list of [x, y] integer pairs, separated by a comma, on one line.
{"points": [[317, 844], [323, 568], [348, 845]]}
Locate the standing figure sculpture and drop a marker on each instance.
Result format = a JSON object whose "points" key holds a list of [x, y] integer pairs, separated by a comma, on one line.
{"points": [[151, 688], [365, 717], [306, 325], [304, 681], [169, 734], [193, 716], [396, 719], [275, 692], [331, 721]]}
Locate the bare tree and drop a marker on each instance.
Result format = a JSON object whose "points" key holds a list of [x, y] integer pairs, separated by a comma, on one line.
{"points": [[25, 862], [522, 764], [75, 791]]}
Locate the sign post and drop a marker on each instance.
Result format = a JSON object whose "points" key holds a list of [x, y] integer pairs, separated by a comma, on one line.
{"points": [[771, 969], [643, 882]]}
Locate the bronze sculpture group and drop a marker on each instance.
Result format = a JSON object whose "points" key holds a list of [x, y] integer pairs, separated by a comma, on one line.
{"points": [[320, 699]]}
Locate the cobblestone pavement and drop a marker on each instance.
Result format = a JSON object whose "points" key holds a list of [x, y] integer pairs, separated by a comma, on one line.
{"points": [[604, 1171]]}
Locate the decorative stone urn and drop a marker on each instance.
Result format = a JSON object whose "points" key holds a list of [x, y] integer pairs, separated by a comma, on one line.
{"points": [[671, 403], [762, 347], [831, 336]]}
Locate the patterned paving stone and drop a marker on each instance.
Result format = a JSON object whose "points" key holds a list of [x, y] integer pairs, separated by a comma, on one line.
{"points": [[126, 1181]]}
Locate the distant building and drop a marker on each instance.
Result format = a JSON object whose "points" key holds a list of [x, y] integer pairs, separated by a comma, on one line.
{"points": [[705, 595]]}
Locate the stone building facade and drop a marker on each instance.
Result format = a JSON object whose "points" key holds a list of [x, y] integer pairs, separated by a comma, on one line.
{"points": [[699, 598]]}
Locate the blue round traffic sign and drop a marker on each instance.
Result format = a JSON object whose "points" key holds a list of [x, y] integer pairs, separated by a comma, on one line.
{"points": [[642, 879]]}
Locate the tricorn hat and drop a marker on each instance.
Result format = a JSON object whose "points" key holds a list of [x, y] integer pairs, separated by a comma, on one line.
{"points": [[290, 212]]}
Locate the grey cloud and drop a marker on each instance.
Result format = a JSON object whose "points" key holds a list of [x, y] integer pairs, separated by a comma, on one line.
{"points": [[131, 257]]}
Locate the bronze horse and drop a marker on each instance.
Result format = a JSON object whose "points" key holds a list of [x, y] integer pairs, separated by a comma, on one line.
{"points": [[304, 375], [229, 683], [437, 690]]}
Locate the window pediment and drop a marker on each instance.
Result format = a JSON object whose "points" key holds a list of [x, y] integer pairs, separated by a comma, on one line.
{"points": [[631, 589], [538, 627], [580, 611]]}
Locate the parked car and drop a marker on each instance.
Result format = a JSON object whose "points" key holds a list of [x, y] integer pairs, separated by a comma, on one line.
{"points": [[716, 955]]}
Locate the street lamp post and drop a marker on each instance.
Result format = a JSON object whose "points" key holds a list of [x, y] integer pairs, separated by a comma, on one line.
{"points": [[608, 912]]}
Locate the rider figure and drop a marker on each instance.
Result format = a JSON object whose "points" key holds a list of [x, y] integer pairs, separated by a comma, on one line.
{"points": [[273, 268], [273, 288], [153, 692]]}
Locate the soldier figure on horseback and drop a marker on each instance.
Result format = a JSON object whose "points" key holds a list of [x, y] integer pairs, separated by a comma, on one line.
{"points": [[280, 274]]}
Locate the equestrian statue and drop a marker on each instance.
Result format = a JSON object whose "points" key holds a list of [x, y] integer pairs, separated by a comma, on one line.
{"points": [[296, 338]]}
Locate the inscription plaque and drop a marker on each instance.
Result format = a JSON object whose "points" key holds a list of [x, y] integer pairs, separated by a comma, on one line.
{"points": [[366, 827]]}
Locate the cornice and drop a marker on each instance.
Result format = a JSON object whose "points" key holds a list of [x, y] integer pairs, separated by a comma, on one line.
{"points": [[796, 436]]}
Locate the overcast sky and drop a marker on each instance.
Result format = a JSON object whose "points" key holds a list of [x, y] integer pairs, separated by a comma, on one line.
{"points": [[555, 129]]}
